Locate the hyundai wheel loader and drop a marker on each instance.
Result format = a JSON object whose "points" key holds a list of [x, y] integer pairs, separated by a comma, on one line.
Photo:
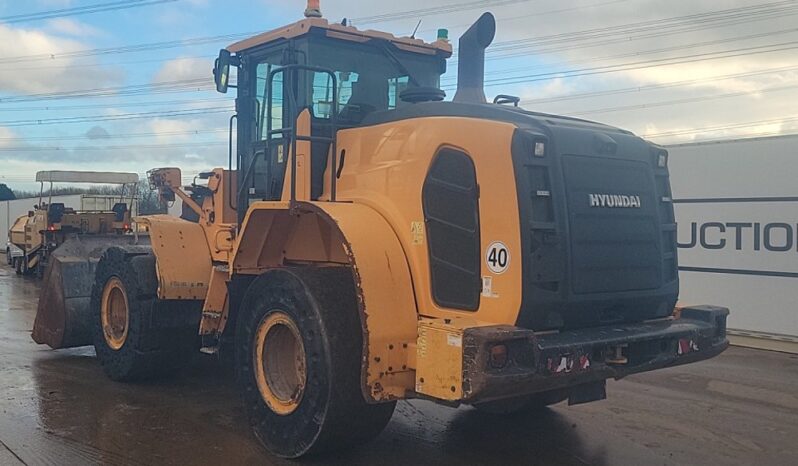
{"points": [[370, 242]]}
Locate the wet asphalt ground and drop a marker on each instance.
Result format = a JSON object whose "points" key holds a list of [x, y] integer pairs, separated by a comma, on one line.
{"points": [[56, 407]]}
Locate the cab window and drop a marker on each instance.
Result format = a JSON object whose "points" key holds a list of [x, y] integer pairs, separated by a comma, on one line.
{"points": [[323, 91], [262, 77]]}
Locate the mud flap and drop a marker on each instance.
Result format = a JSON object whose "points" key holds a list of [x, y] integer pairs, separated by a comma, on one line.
{"points": [[587, 392], [63, 316]]}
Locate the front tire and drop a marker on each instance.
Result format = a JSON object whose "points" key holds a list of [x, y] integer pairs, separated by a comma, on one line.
{"points": [[299, 347], [132, 336]]}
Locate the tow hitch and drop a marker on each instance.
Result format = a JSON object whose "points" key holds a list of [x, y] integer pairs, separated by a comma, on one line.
{"points": [[616, 354]]}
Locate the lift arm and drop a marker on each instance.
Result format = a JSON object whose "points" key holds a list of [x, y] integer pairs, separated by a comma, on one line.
{"points": [[168, 183]]}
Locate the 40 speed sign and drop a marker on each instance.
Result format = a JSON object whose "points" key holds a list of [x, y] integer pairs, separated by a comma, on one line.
{"points": [[497, 257]]}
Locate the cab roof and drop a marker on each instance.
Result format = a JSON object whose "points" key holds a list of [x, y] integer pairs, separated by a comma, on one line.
{"points": [[339, 31]]}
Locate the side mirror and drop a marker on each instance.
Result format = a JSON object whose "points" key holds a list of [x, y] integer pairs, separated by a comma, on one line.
{"points": [[221, 71]]}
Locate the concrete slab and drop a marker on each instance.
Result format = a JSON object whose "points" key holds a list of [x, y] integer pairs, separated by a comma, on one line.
{"points": [[56, 407]]}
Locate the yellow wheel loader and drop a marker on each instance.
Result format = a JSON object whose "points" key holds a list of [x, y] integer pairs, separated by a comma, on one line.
{"points": [[61, 244], [35, 236], [370, 242]]}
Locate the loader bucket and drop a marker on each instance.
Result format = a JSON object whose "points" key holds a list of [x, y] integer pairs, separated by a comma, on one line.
{"points": [[63, 317]]}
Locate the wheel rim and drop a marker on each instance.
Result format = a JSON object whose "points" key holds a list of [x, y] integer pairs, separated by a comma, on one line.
{"points": [[279, 362], [114, 313]]}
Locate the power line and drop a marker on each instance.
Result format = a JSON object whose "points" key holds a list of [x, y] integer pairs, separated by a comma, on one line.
{"points": [[161, 45], [747, 136], [109, 148], [692, 45], [746, 13], [81, 10], [114, 105], [687, 100], [651, 87], [141, 92], [83, 137], [732, 53], [127, 48], [498, 47], [421, 12], [721, 127], [639, 53], [123, 116], [118, 63], [147, 88], [660, 50], [112, 91], [536, 14], [630, 32]]}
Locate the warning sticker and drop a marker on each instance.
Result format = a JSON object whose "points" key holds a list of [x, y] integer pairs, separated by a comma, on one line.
{"points": [[417, 230], [487, 288], [454, 340]]}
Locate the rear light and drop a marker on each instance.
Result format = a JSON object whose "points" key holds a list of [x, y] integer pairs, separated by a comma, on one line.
{"points": [[498, 356], [540, 149], [51, 228], [686, 346], [662, 159], [126, 226]]}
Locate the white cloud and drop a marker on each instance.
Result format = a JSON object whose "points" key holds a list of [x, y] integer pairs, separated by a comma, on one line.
{"points": [[54, 3], [8, 138], [185, 69], [41, 76], [563, 21], [199, 150], [518, 21], [165, 129], [72, 27]]}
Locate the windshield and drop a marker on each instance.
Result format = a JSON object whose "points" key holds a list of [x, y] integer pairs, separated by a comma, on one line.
{"points": [[369, 77]]}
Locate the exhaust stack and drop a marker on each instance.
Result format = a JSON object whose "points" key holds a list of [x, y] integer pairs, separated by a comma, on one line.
{"points": [[471, 60]]}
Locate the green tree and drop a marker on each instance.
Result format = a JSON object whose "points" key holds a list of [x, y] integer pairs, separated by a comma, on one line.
{"points": [[6, 194], [149, 203]]}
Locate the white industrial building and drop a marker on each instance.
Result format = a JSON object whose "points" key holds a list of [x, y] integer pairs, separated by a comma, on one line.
{"points": [[736, 205]]}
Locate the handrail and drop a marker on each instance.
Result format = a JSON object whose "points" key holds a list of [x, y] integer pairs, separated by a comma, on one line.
{"points": [[293, 113], [229, 180]]}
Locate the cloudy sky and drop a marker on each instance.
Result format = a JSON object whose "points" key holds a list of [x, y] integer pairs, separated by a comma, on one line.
{"points": [[131, 89]]}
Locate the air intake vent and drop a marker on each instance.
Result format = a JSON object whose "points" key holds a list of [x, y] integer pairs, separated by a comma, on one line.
{"points": [[451, 212]]}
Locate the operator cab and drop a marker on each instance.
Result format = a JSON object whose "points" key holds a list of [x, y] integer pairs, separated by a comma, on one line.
{"points": [[336, 72]]}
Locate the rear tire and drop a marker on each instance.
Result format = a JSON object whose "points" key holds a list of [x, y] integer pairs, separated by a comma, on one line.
{"points": [[303, 396], [525, 403], [136, 335], [9, 259]]}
